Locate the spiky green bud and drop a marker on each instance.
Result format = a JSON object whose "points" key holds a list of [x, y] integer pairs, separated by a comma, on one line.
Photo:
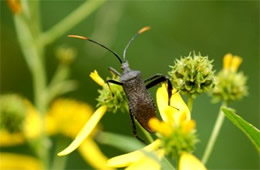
{"points": [[230, 86], [12, 111], [192, 75], [114, 102], [179, 142]]}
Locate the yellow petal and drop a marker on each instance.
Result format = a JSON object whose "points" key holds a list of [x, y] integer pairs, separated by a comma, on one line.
{"points": [[85, 131], [92, 154], [169, 113], [127, 159], [235, 63], [178, 109], [187, 126], [10, 139], [10, 161], [145, 163], [190, 162], [33, 123], [95, 76], [50, 125], [61, 117], [227, 61], [162, 101], [160, 127]]}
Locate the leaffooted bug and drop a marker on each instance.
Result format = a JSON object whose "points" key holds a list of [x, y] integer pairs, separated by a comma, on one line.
{"points": [[140, 102]]}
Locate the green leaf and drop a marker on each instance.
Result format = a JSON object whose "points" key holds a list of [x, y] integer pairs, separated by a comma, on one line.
{"points": [[252, 132], [122, 142]]}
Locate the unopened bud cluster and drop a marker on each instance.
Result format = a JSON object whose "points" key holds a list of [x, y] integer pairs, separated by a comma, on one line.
{"points": [[176, 138], [193, 75], [66, 55], [179, 142], [230, 84], [114, 97], [12, 112]]}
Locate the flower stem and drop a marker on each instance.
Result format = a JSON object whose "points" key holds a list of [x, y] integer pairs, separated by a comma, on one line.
{"points": [[214, 135], [146, 134], [190, 102], [167, 164], [59, 162], [34, 62], [124, 143], [70, 21], [28, 29]]}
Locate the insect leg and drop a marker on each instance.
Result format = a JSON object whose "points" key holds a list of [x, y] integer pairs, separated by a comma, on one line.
{"points": [[113, 71], [153, 77], [159, 79], [134, 128], [114, 82]]}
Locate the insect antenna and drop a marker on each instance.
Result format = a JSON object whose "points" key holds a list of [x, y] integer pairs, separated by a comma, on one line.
{"points": [[132, 39], [95, 42]]}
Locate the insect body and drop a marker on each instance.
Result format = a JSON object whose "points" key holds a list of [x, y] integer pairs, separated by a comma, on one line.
{"points": [[140, 102]]}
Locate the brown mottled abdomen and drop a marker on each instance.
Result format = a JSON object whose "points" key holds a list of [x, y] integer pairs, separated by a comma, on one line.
{"points": [[140, 102]]}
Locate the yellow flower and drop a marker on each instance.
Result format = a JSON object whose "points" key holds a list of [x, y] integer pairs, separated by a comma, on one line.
{"points": [[85, 131], [90, 124], [160, 127], [230, 84], [10, 161], [65, 117], [33, 122], [231, 63], [177, 112], [145, 163], [10, 139], [68, 117], [92, 154], [138, 159], [30, 122], [175, 116], [112, 95], [95, 76], [190, 162]]}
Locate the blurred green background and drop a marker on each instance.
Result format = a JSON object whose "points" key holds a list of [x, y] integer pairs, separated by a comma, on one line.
{"points": [[213, 28]]}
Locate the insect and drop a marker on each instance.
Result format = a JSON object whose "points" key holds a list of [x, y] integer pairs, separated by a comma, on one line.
{"points": [[140, 102]]}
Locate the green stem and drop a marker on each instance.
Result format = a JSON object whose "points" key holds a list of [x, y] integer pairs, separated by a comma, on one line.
{"points": [[59, 162], [167, 164], [214, 135], [28, 30], [190, 102], [34, 17], [32, 56], [146, 134], [70, 21], [61, 74], [35, 25], [125, 143], [177, 161]]}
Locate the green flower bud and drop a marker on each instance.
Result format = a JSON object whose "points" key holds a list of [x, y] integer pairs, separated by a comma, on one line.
{"points": [[192, 75], [12, 111], [230, 86], [66, 55], [179, 142], [114, 102]]}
